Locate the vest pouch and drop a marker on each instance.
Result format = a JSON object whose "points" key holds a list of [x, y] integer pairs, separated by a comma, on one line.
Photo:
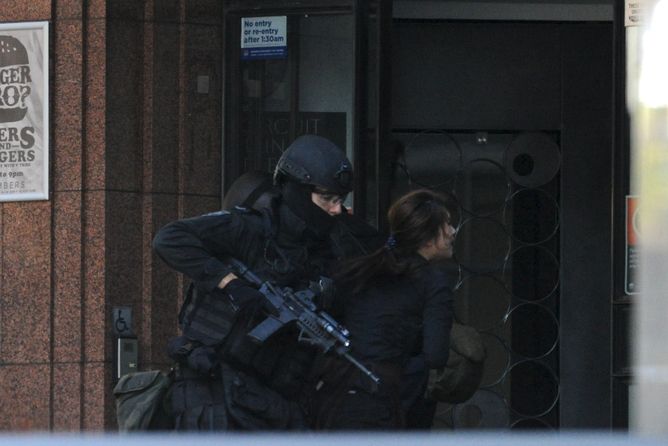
{"points": [[211, 319], [198, 403], [254, 406], [141, 401]]}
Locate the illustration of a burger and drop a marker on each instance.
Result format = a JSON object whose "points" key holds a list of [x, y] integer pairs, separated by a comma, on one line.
{"points": [[14, 75]]}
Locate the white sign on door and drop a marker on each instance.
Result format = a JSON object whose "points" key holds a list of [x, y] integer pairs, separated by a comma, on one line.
{"points": [[264, 37]]}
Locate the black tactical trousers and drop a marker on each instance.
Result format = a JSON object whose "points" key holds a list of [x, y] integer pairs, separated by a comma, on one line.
{"points": [[230, 400], [345, 399]]}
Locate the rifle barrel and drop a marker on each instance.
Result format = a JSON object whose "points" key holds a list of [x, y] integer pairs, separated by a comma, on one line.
{"points": [[362, 367]]}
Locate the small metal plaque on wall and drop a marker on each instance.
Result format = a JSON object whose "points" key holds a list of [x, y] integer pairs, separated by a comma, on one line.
{"points": [[24, 111], [634, 11]]}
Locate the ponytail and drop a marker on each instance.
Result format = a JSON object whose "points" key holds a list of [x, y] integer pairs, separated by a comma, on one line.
{"points": [[359, 273], [415, 219]]}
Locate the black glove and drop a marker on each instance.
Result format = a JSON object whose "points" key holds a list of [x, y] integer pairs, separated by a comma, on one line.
{"points": [[245, 296], [179, 347], [204, 360], [241, 293]]}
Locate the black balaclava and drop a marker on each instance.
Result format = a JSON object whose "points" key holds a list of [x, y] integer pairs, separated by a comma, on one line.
{"points": [[297, 197]]}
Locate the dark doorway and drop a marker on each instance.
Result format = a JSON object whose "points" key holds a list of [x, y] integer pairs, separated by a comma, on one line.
{"points": [[515, 120]]}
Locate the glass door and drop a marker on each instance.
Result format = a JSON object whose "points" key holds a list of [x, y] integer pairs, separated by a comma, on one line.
{"points": [[301, 68]]}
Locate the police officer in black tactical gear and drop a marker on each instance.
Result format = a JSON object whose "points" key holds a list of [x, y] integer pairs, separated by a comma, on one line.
{"points": [[224, 380]]}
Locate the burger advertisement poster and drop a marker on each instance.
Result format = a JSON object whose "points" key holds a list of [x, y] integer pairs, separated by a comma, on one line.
{"points": [[24, 103]]}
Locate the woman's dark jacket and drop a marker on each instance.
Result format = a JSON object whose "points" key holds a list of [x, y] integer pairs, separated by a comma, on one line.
{"points": [[400, 317], [396, 323]]}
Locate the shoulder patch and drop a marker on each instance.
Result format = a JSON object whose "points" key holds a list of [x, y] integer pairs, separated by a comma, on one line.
{"points": [[242, 209], [216, 213], [245, 210], [234, 210]]}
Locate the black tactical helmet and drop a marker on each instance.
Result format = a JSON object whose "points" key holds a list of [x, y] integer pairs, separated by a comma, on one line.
{"points": [[316, 161]]}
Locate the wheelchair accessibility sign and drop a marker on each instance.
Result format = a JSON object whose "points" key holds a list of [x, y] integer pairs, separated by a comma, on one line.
{"points": [[121, 321]]}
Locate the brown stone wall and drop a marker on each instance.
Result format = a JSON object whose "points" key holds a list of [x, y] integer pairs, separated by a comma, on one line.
{"points": [[133, 146]]}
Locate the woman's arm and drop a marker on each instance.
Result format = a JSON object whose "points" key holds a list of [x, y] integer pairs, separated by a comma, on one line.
{"points": [[437, 319]]}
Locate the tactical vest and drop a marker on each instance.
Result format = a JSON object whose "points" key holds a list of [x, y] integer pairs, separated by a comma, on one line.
{"points": [[212, 319]]}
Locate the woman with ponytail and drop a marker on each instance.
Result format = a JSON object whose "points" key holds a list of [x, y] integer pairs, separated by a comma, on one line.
{"points": [[397, 305]]}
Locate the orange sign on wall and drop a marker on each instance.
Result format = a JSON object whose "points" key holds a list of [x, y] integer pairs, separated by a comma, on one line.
{"points": [[632, 254]]}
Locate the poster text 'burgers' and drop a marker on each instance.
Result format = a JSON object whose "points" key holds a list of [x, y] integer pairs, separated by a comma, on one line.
{"points": [[16, 143]]}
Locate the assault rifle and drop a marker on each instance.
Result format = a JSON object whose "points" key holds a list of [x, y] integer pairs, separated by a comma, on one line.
{"points": [[316, 326]]}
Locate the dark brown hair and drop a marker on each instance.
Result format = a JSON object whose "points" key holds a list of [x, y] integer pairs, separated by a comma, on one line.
{"points": [[415, 219]]}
